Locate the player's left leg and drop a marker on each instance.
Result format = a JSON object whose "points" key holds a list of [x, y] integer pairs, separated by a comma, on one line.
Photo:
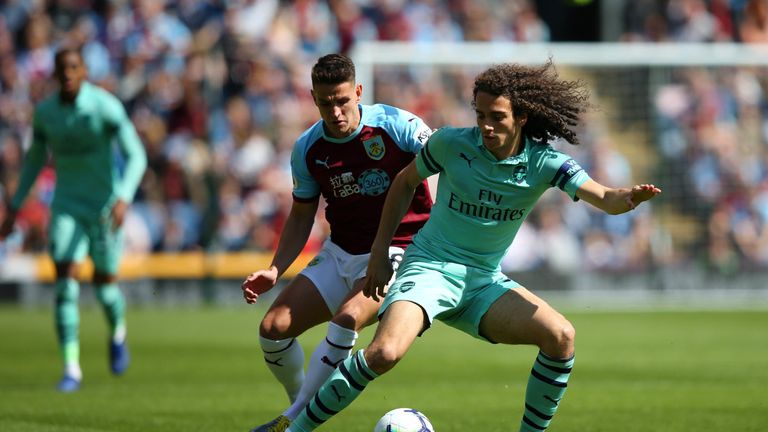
{"points": [[520, 317], [399, 326], [423, 290], [106, 251], [355, 313]]}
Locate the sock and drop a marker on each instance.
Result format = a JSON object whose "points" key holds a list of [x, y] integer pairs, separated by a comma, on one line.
{"points": [[67, 317], [113, 303], [546, 386], [333, 350], [338, 391], [285, 359], [73, 369]]}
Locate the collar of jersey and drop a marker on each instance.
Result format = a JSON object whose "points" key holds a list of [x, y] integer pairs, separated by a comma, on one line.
{"points": [[519, 158], [347, 138], [84, 87]]}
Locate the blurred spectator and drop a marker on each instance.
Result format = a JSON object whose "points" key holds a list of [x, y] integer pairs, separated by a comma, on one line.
{"points": [[754, 27], [218, 92]]}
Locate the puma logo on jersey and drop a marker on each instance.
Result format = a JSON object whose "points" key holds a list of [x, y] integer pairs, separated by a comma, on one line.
{"points": [[466, 158], [328, 165]]}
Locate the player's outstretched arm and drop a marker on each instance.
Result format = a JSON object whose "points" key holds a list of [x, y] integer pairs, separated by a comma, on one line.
{"points": [[395, 206], [295, 234], [616, 201]]}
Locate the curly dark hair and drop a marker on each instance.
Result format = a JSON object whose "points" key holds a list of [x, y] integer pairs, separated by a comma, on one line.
{"points": [[552, 104], [333, 69]]}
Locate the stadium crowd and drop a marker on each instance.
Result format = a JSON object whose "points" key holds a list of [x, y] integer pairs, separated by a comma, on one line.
{"points": [[219, 91]]}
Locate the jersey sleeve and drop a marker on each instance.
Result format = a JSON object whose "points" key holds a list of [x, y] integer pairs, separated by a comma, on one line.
{"points": [[34, 161], [131, 147], [431, 158], [561, 171], [305, 188], [409, 131]]}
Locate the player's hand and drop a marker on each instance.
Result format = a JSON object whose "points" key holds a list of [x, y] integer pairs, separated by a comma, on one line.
{"points": [[377, 276], [258, 283], [640, 193], [118, 213]]}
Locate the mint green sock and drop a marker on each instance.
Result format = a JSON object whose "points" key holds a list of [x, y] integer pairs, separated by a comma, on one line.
{"points": [[338, 391], [546, 387], [113, 303], [67, 317]]}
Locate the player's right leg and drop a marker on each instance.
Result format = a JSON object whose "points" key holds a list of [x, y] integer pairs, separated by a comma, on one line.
{"points": [[67, 246], [106, 250], [299, 307]]}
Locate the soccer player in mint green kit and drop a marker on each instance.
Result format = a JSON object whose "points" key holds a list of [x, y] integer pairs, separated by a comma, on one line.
{"points": [[490, 178], [79, 126]]}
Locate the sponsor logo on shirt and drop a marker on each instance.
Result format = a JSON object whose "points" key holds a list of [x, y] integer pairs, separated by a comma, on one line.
{"points": [[344, 185], [423, 135], [373, 182], [487, 207]]}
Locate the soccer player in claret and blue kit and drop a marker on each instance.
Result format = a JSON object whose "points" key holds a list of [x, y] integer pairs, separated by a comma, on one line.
{"points": [[349, 157], [491, 175], [79, 127]]}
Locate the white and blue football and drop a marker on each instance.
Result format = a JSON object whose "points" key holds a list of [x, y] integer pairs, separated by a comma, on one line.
{"points": [[404, 420]]}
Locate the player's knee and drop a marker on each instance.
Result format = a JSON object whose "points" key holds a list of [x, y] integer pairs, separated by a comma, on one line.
{"points": [[66, 270], [101, 278], [562, 340], [353, 317], [275, 325], [381, 358]]}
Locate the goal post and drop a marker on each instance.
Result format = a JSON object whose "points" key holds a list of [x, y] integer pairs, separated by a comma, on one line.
{"points": [[369, 54], [692, 118]]}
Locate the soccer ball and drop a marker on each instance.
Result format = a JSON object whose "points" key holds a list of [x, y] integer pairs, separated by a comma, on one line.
{"points": [[404, 420]]}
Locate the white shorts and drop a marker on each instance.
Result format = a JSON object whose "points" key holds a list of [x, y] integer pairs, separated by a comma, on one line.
{"points": [[334, 271]]}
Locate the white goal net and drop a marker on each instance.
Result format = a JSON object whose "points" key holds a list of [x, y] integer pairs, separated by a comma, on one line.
{"points": [[690, 118]]}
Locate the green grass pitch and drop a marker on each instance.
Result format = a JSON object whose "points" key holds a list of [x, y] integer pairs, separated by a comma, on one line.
{"points": [[200, 369]]}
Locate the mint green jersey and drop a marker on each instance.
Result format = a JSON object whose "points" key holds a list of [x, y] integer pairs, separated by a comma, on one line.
{"points": [[481, 201], [80, 137]]}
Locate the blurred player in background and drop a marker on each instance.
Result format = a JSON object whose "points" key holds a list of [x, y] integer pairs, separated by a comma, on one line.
{"points": [[78, 126], [491, 176], [349, 157]]}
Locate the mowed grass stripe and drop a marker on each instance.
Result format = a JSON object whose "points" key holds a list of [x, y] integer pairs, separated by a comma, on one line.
{"points": [[201, 370]]}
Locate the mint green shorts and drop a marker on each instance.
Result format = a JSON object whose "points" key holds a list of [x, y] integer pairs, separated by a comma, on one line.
{"points": [[455, 294], [71, 237]]}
